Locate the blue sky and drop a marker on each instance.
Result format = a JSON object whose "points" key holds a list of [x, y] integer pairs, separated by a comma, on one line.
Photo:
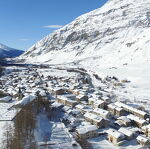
{"points": [[24, 22]]}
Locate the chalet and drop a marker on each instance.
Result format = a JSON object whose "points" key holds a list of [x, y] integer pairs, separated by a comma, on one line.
{"points": [[123, 121], [99, 104], [88, 131], [143, 140], [134, 111], [103, 113], [111, 108], [96, 120], [91, 100], [71, 103], [119, 111], [146, 130], [127, 133], [115, 136], [67, 99], [74, 91], [58, 91], [81, 97], [83, 108], [138, 121]]}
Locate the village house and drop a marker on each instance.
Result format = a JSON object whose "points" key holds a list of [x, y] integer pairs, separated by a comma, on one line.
{"points": [[74, 91], [58, 91], [111, 108], [67, 99], [96, 120], [103, 113], [71, 103], [114, 110], [115, 136], [119, 111], [134, 111], [99, 104], [138, 121], [146, 130], [123, 121], [81, 97], [127, 133], [91, 100], [88, 131], [83, 108], [143, 140]]}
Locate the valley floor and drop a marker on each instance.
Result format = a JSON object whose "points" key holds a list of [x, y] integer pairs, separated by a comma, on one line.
{"points": [[50, 131]]}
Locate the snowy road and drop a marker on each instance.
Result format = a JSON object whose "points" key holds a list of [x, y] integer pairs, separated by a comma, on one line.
{"points": [[54, 132]]}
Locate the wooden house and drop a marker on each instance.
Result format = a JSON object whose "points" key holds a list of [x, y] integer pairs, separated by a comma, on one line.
{"points": [[127, 133], [138, 121], [88, 131], [143, 140], [96, 120], [115, 136], [123, 121], [101, 112], [134, 111], [146, 130]]}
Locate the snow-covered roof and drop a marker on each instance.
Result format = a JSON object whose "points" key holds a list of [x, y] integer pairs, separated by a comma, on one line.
{"points": [[124, 118], [26, 100], [85, 108], [115, 133], [103, 113], [142, 139], [119, 104], [146, 127], [112, 106], [79, 106], [118, 108], [98, 102], [86, 129], [6, 99], [136, 119], [93, 117], [126, 131], [56, 104]]}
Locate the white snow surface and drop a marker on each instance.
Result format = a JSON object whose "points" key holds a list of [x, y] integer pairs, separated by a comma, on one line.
{"points": [[111, 40], [27, 99]]}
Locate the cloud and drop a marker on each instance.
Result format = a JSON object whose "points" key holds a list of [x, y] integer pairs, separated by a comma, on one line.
{"points": [[52, 26], [24, 39]]}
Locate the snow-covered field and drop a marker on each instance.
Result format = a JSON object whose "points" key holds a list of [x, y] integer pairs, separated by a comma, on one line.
{"points": [[6, 112]]}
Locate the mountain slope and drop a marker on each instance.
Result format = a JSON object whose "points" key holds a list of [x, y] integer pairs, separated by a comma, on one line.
{"points": [[118, 29], [112, 40], [9, 52]]}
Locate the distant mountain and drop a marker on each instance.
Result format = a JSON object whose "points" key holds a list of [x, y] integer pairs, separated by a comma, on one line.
{"points": [[7, 52]]}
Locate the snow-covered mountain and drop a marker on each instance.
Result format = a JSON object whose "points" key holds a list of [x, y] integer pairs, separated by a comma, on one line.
{"points": [[114, 39], [9, 52], [119, 29]]}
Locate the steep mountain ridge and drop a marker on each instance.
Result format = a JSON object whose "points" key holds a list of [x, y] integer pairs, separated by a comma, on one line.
{"points": [[6, 51]]}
